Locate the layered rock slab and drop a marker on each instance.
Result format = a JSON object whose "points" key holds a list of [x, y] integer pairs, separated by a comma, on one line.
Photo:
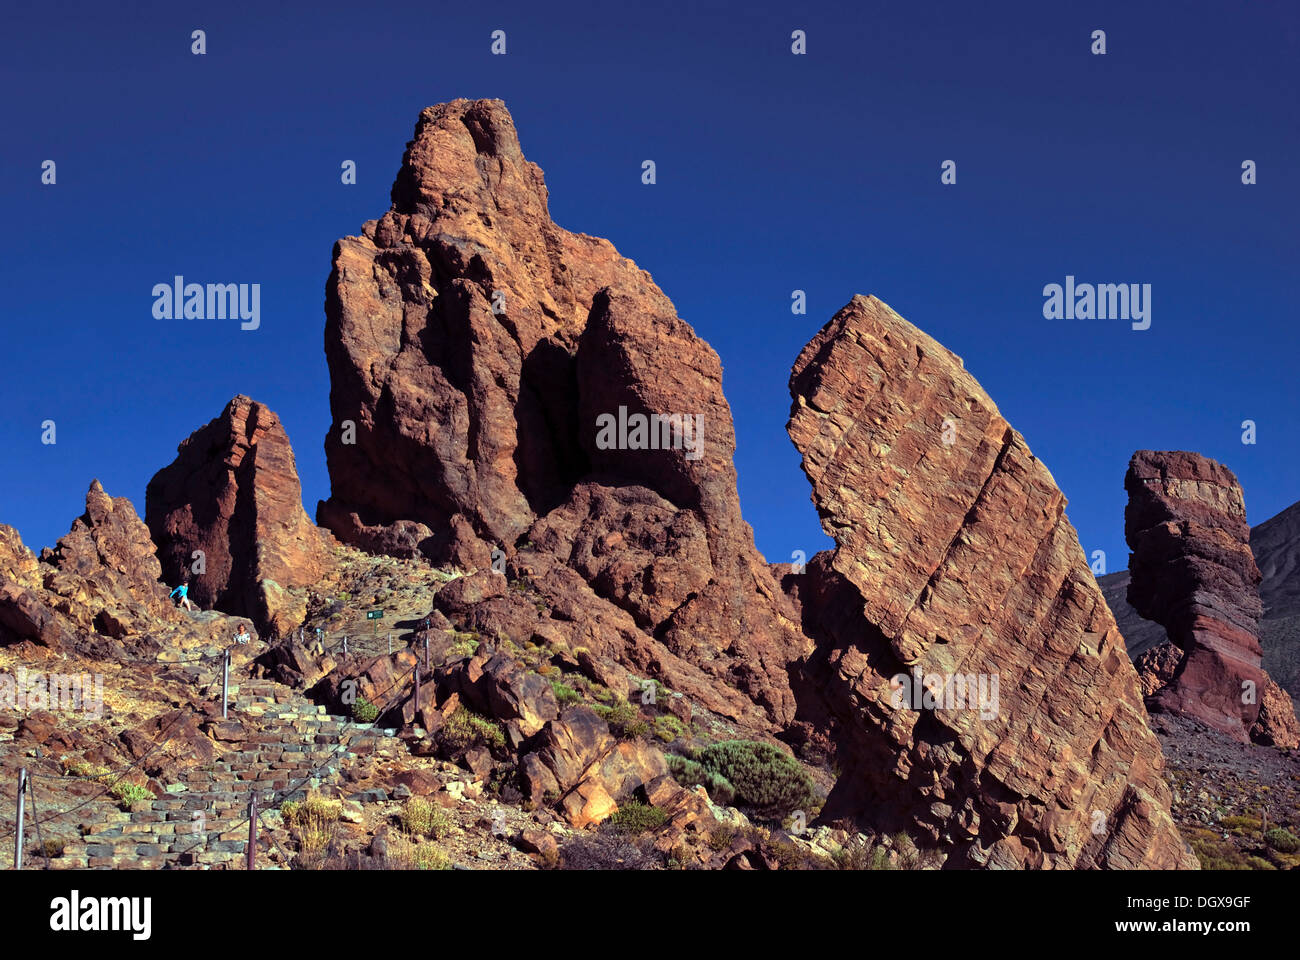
{"points": [[474, 347], [954, 559], [1192, 571], [233, 494]]}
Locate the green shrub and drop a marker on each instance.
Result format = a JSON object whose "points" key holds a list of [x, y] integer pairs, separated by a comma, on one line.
{"points": [[314, 819], [625, 720], [427, 856], [129, 793], [462, 645], [420, 818], [721, 838], [668, 728], [465, 729], [363, 711], [691, 774], [1282, 840], [80, 767], [564, 694], [634, 818], [763, 775]]}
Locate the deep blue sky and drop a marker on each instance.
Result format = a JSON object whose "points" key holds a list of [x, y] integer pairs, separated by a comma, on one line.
{"points": [[775, 172]]}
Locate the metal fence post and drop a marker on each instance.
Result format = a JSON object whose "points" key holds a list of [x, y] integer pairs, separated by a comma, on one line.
{"points": [[426, 650], [18, 829], [390, 644], [225, 684], [252, 831], [345, 644], [415, 712]]}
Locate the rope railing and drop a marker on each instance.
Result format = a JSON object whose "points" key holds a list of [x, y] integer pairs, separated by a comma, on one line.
{"points": [[278, 797], [325, 641]]}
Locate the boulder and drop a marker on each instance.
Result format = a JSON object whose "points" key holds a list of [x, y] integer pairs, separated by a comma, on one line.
{"points": [[578, 762]]}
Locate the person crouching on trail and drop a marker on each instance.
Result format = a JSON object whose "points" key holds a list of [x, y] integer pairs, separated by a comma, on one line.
{"points": [[181, 596]]}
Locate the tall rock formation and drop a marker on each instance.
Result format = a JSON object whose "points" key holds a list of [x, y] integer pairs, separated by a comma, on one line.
{"points": [[478, 356], [233, 493], [955, 565], [1192, 571]]}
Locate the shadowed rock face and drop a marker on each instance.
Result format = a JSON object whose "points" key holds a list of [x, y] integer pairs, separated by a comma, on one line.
{"points": [[953, 556], [233, 493], [1192, 571], [475, 346]]}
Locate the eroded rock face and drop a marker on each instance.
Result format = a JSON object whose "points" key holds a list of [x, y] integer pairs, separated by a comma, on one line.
{"points": [[474, 348], [233, 493], [1192, 571], [97, 593], [954, 558]]}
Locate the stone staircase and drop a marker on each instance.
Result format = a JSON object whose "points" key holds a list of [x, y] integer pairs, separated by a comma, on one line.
{"points": [[275, 739]]}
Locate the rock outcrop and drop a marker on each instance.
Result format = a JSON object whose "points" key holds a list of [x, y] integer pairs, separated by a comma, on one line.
{"points": [[97, 593], [233, 494], [955, 569], [499, 383], [1192, 571]]}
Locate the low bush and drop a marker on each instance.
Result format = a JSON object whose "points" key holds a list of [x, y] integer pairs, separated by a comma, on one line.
{"points": [[465, 729], [130, 793], [564, 694], [763, 775], [313, 818], [625, 720], [421, 818], [1282, 840], [668, 728], [605, 851], [635, 818], [690, 774]]}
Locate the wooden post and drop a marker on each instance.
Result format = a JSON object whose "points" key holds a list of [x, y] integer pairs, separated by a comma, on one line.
{"points": [[345, 644], [390, 644], [252, 831], [225, 684], [18, 828]]}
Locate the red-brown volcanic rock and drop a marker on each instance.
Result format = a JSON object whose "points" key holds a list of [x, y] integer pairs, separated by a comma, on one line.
{"points": [[477, 429], [1192, 571], [954, 556], [233, 493], [97, 593]]}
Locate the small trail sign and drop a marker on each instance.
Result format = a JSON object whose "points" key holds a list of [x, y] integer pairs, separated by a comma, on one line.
{"points": [[374, 614]]}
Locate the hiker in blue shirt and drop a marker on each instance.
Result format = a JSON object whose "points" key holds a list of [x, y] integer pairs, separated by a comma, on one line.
{"points": [[181, 596]]}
